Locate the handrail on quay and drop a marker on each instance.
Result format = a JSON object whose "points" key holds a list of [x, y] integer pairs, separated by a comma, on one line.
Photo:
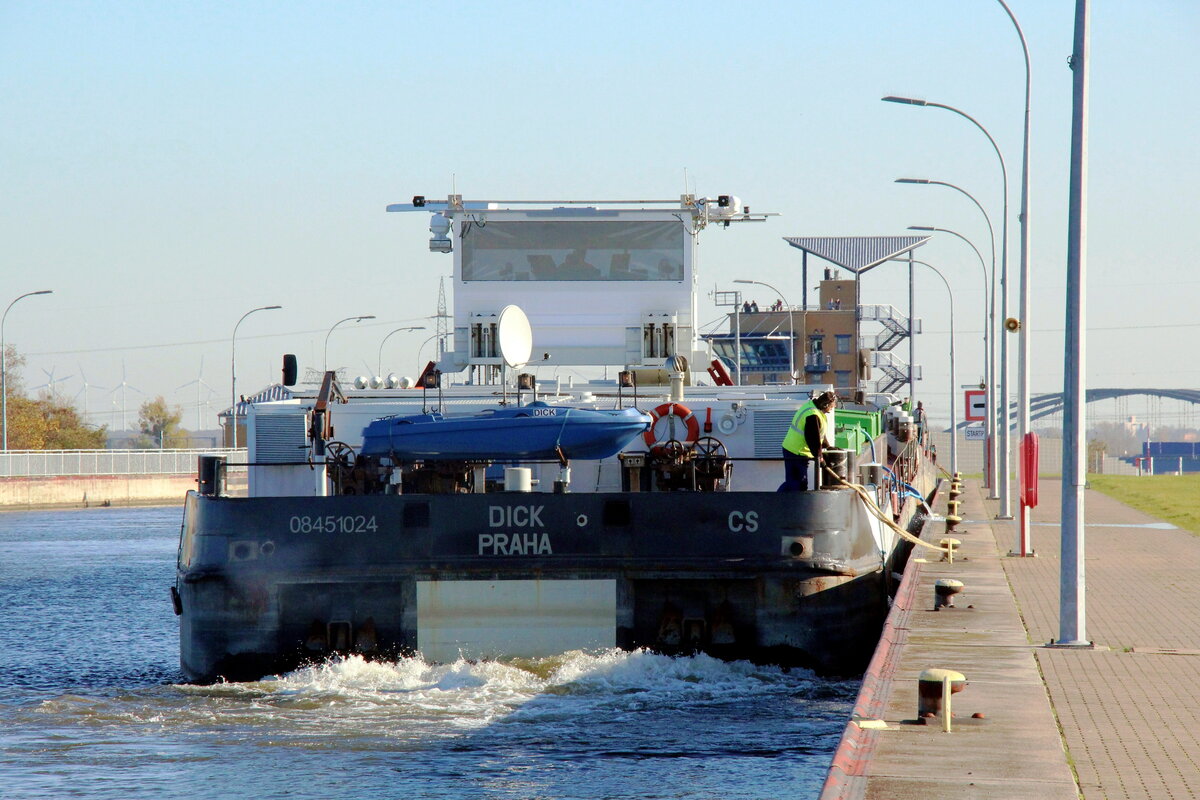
{"points": [[55, 463]]}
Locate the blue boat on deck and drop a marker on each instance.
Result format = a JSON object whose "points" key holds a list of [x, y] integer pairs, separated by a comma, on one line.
{"points": [[533, 431]]}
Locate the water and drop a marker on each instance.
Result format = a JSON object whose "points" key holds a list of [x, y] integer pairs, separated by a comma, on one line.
{"points": [[92, 704]]}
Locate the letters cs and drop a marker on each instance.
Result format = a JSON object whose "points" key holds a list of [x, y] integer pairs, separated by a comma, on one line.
{"points": [[743, 521]]}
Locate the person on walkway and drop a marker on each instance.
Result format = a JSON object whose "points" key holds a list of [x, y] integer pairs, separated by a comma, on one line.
{"points": [[805, 441]]}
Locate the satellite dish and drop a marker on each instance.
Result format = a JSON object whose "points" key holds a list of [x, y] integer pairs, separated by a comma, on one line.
{"points": [[515, 335]]}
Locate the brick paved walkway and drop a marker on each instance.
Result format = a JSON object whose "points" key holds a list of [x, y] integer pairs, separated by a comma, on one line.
{"points": [[1126, 708]]}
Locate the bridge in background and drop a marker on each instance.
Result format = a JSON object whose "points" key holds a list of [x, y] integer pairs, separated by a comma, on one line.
{"points": [[1046, 405]]}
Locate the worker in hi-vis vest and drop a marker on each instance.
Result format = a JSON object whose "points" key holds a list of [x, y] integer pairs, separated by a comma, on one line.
{"points": [[804, 442]]}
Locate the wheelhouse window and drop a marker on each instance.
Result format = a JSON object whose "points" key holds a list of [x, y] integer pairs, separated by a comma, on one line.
{"points": [[605, 250]]}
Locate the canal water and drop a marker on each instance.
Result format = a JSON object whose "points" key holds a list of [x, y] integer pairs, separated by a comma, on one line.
{"points": [[92, 702]]}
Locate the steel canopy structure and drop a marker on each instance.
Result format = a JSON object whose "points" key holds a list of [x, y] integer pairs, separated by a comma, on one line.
{"points": [[859, 254], [856, 253]]}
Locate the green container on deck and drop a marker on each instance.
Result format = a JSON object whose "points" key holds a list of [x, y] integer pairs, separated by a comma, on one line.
{"points": [[852, 439], [856, 428]]}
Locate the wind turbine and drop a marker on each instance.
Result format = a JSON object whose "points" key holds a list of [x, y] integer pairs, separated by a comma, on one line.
{"points": [[121, 387], [84, 392], [51, 382], [199, 383]]}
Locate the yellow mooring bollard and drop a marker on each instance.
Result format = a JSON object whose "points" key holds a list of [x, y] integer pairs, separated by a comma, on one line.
{"points": [[951, 545], [934, 688]]}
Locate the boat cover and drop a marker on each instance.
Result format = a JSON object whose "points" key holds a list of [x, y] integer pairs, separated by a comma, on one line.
{"points": [[533, 431]]}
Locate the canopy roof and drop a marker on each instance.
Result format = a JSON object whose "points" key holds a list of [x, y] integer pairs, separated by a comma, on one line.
{"points": [[856, 253]]}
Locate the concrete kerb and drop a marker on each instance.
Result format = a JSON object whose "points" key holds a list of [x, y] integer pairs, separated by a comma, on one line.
{"points": [[846, 778]]}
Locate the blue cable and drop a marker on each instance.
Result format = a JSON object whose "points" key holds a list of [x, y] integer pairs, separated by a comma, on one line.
{"points": [[912, 490]]}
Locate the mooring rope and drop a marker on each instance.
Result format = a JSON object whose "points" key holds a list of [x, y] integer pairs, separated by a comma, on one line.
{"points": [[878, 513]]}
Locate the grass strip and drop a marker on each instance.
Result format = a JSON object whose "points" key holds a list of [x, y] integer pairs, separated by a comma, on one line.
{"points": [[1171, 498]]}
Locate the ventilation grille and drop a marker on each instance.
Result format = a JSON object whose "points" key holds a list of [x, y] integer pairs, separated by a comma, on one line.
{"points": [[769, 429], [279, 438]]}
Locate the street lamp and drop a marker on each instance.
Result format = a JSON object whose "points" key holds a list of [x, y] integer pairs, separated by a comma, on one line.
{"points": [[325, 363], [990, 394], [1005, 499], [1023, 400], [953, 384], [4, 363], [379, 360], [421, 349], [989, 336], [1072, 581], [233, 370], [791, 328]]}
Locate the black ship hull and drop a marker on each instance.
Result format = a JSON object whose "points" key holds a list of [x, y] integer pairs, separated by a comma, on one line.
{"points": [[268, 584]]}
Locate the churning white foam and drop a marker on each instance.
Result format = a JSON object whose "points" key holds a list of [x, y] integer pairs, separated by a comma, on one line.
{"points": [[411, 698]]}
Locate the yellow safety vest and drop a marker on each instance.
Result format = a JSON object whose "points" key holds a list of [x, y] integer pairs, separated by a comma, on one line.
{"points": [[794, 441]]}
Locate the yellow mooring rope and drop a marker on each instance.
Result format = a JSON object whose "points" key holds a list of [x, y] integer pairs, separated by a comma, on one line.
{"points": [[877, 512]]}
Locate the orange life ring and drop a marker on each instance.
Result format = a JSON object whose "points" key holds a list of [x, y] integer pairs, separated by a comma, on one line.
{"points": [[678, 410]]}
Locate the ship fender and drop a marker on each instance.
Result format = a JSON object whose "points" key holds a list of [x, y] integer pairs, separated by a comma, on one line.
{"points": [[677, 410]]}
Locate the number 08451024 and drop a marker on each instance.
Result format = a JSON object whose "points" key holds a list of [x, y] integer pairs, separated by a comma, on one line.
{"points": [[332, 523]]}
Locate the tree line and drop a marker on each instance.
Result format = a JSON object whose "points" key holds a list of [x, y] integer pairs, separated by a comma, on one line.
{"points": [[51, 422]]}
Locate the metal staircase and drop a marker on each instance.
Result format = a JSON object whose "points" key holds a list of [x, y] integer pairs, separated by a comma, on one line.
{"points": [[895, 330], [895, 372]]}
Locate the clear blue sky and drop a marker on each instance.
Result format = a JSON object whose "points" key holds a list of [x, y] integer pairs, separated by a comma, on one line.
{"points": [[167, 167]]}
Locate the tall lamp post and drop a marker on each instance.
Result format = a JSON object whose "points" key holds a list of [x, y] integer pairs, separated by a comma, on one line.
{"points": [[953, 383], [1023, 420], [379, 360], [1005, 411], [989, 396], [989, 332], [4, 362], [1072, 598], [325, 361], [233, 370], [791, 328]]}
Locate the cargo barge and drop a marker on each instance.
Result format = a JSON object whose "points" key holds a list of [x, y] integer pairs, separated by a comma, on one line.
{"points": [[531, 541]]}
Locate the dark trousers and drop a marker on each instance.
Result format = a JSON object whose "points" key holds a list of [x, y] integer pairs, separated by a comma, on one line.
{"points": [[795, 472]]}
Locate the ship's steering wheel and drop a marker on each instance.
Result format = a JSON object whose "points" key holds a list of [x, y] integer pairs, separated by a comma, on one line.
{"points": [[671, 450], [710, 449], [339, 456]]}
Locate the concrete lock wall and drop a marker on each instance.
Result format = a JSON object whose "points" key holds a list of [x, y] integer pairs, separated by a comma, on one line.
{"points": [[102, 490]]}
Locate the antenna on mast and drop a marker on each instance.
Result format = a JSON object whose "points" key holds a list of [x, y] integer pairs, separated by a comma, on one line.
{"points": [[443, 320]]}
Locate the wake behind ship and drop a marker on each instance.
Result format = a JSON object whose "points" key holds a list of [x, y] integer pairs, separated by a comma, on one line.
{"points": [[506, 514]]}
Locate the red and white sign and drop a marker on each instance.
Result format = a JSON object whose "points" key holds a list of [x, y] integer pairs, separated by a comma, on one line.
{"points": [[976, 404]]}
